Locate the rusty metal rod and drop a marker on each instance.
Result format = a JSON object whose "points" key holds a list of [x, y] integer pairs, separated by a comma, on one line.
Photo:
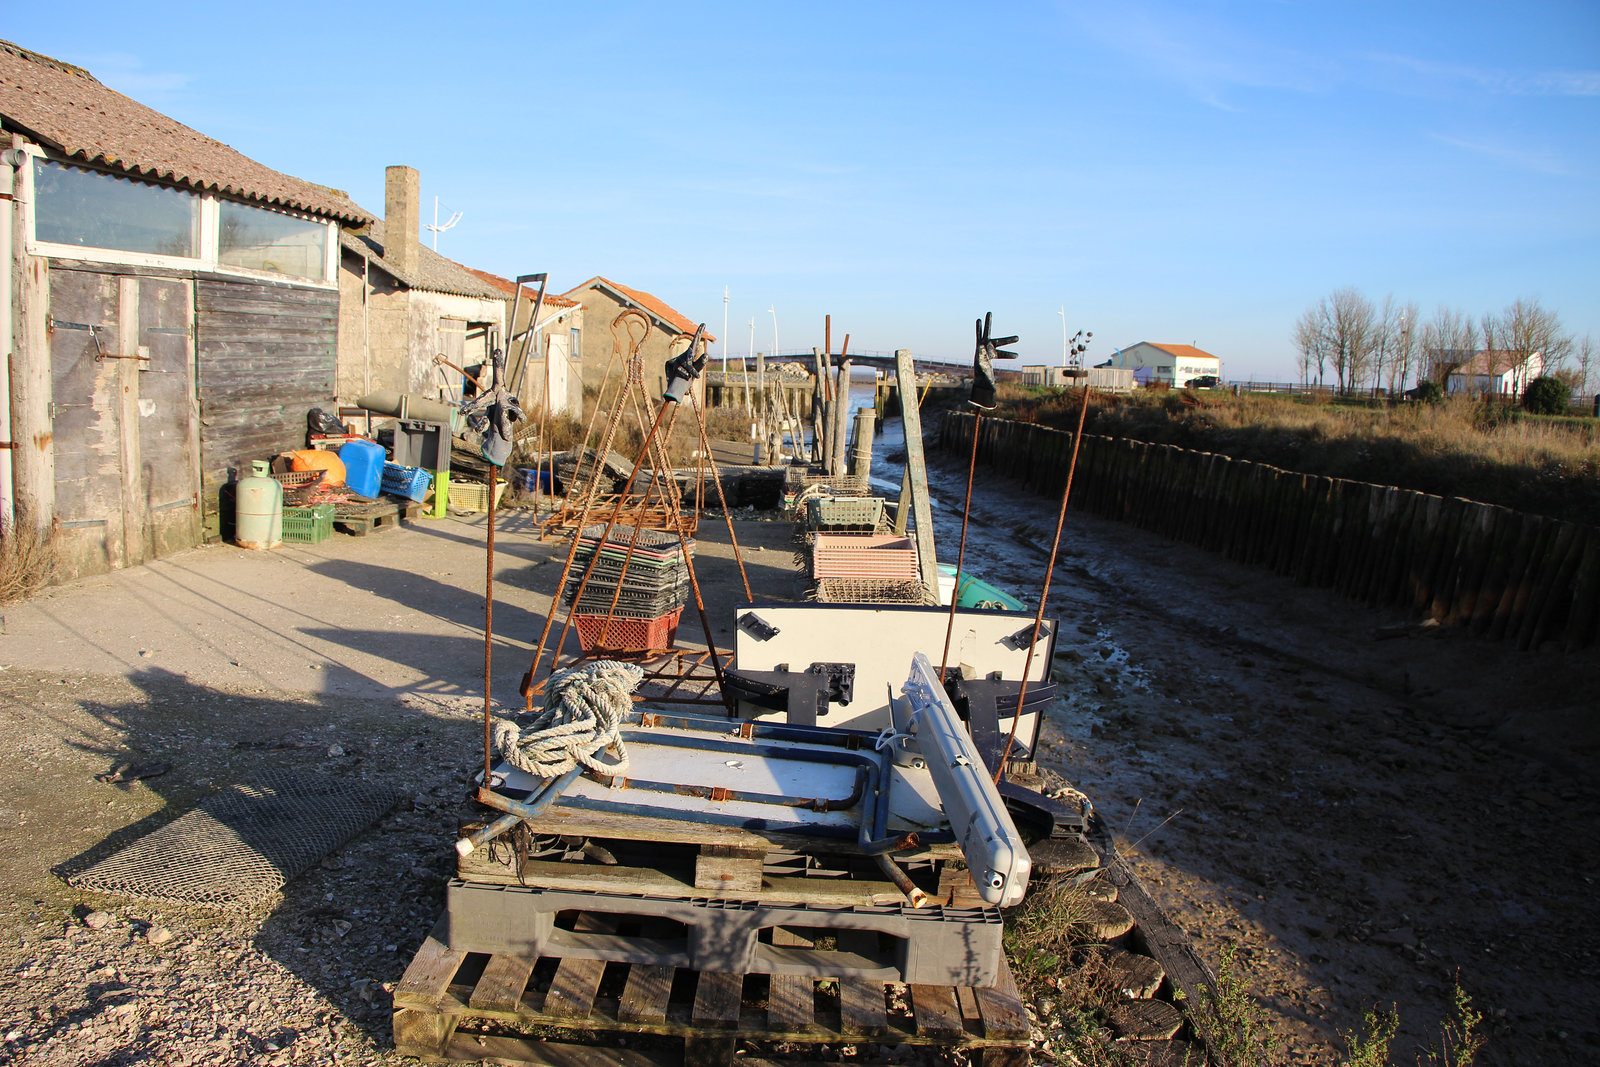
{"points": [[1044, 594]]}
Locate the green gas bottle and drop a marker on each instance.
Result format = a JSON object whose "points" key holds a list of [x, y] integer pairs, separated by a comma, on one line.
{"points": [[258, 510]]}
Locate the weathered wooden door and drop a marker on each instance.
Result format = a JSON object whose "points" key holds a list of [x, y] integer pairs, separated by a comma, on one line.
{"points": [[554, 385], [127, 475]]}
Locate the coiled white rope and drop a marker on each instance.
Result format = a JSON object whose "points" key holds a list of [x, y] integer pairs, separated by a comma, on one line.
{"points": [[583, 711]]}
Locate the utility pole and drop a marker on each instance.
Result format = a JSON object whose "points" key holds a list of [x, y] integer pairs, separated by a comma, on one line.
{"points": [[1063, 314], [724, 335]]}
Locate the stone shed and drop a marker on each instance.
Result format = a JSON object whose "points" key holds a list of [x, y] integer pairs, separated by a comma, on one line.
{"points": [[404, 305], [171, 311]]}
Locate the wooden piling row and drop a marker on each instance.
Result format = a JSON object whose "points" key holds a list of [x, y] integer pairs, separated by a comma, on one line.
{"points": [[1500, 574]]}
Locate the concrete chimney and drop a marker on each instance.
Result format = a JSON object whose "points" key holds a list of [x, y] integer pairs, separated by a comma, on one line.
{"points": [[402, 219]]}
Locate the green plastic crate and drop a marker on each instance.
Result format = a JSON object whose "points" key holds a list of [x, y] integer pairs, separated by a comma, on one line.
{"points": [[308, 526]]}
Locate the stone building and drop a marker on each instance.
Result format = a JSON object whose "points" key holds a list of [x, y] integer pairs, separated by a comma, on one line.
{"points": [[403, 305], [552, 360], [603, 300]]}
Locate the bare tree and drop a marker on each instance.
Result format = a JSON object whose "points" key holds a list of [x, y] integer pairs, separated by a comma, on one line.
{"points": [[1351, 327], [1309, 342], [1405, 363], [1448, 340], [1586, 365], [1523, 331], [1384, 342]]}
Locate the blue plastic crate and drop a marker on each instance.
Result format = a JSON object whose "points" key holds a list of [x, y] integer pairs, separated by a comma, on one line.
{"points": [[410, 482]]}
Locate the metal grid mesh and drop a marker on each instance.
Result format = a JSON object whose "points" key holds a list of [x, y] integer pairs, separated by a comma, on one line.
{"points": [[869, 591], [240, 846]]}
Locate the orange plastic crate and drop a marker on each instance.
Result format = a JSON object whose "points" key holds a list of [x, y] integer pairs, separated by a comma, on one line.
{"points": [[627, 635]]}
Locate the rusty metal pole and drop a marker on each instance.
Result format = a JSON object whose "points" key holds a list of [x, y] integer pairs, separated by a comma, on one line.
{"points": [[488, 637], [1044, 593]]}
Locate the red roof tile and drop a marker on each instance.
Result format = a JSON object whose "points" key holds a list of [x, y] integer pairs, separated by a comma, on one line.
{"points": [[653, 304], [64, 108], [1183, 351], [509, 287]]}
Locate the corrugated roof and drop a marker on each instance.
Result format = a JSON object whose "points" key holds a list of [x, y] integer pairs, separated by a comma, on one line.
{"points": [[649, 302], [435, 272], [64, 108], [509, 288]]}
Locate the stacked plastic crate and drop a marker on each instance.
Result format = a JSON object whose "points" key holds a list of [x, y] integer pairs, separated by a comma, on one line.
{"points": [[635, 593], [863, 568]]}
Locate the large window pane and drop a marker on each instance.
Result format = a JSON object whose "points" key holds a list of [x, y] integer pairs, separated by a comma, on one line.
{"points": [[265, 240], [98, 210]]}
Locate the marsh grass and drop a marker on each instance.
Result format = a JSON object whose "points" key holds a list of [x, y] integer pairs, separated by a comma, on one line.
{"points": [[1491, 452]]}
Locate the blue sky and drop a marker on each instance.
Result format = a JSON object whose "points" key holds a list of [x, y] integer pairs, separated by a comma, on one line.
{"points": [[1181, 172]]}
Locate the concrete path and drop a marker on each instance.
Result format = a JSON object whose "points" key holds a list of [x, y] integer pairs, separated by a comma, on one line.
{"points": [[396, 612]]}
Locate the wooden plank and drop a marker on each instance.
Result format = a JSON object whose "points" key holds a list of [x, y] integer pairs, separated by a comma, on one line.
{"points": [[724, 870], [716, 1000], [791, 998], [423, 1033], [1553, 575], [1004, 1014], [916, 483], [791, 1004], [538, 1052], [644, 997], [429, 973], [572, 988], [936, 1012], [862, 1011], [500, 989]]}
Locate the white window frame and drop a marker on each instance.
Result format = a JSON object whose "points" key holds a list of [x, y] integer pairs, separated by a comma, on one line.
{"points": [[210, 239]]}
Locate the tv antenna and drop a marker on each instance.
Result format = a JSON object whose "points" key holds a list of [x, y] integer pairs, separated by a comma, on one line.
{"points": [[437, 227]]}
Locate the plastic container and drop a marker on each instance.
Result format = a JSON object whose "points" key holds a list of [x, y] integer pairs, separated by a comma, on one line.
{"points": [[473, 496], [627, 635], [363, 467], [412, 483], [316, 459], [258, 510], [308, 526]]}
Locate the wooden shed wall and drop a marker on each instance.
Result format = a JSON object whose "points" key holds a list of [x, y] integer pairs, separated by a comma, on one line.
{"points": [[266, 356]]}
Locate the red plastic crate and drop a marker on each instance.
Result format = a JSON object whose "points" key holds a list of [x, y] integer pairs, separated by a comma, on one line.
{"points": [[627, 635]]}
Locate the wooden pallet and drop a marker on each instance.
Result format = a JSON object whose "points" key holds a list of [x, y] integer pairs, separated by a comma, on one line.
{"points": [[453, 1005], [362, 517]]}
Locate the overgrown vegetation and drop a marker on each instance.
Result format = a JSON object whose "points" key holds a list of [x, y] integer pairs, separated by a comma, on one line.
{"points": [[27, 562], [1462, 446], [1065, 976], [1459, 1044], [1236, 1024]]}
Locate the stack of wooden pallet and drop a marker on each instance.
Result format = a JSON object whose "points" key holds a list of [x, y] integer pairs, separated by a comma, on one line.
{"points": [[637, 940]]}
